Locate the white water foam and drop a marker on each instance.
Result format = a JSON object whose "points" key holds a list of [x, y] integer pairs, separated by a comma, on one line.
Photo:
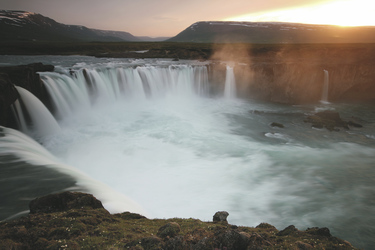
{"points": [[15, 143]]}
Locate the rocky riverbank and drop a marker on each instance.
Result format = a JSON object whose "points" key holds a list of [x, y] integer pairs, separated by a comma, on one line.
{"points": [[77, 220]]}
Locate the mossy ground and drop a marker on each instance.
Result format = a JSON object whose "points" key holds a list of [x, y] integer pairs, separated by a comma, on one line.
{"points": [[97, 229]]}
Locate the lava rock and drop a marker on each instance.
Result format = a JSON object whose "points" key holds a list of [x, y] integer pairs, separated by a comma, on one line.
{"points": [[63, 202]]}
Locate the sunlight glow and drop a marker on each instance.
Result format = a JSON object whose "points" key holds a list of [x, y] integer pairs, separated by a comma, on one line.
{"points": [[343, 13]]}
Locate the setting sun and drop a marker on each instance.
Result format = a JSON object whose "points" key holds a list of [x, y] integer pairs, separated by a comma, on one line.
{"points": [[343, 13]]}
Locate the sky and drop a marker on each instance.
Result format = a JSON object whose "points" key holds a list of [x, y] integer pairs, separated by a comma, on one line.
{"points": [[169, 17]]}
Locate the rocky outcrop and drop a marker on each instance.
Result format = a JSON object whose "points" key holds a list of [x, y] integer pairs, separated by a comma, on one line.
{"points": [[62, 202], [8, 95], [221, 217], [330, 120], [294, 74], [25, 76], [76, 220]]}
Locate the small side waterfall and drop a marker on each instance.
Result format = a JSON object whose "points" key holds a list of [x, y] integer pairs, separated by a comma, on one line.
{"points": [[42, 121], [324, 98], [230, 84]]}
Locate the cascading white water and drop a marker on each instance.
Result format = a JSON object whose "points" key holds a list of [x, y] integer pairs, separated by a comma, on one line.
{"points": [[15, 143], [324, 98], [230, 84], [108, 85], [42, 121]]}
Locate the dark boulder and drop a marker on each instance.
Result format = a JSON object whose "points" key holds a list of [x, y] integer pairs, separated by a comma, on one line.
{"points": [[330, 120], [221, 217], [290, 230], [63, 202], [232, 239], [319, 231], [276, 124], [8, 95]]}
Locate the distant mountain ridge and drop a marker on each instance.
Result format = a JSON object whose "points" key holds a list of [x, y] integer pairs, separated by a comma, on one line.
{"points": [[29, 26], [273, 32]]}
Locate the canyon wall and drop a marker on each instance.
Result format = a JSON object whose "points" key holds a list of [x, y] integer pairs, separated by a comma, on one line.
{"points": [[295, 74]]}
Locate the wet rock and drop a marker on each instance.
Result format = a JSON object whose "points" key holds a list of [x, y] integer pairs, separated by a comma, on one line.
{"points": [[354, 124], [330, 120], [220, 216], [63, 202], [170, 229], [25, 76], [8, 95], [276, 124]]}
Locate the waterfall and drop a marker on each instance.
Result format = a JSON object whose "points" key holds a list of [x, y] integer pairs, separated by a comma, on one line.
{"points": [[230, 84], [15, 143], [324, 98], [42, 122], [91, 86]]}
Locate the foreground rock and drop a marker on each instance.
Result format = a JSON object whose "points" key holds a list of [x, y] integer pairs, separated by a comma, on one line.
{"points": [[77, 220]]}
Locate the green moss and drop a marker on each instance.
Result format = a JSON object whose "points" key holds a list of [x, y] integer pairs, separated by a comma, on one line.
{"points": [[97, 229]]}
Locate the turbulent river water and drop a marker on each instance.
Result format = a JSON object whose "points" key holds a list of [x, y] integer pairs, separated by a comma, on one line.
{"points": [[148, 136]]}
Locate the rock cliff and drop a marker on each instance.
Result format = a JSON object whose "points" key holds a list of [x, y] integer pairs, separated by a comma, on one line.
{"points": [[25, 76]]}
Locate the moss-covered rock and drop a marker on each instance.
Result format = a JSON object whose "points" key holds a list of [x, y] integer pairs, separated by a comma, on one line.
{"points": [[89, 227]]}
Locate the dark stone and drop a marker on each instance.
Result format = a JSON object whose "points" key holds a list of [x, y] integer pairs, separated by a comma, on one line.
{"points": [[288, 231], [25, 76], [221, 217], [266, 225], [170, 229], [354, 124], [231, 239], [130, 216], [330, 120], [63, 202], [275, 124], [319, 231], [8, 95]]}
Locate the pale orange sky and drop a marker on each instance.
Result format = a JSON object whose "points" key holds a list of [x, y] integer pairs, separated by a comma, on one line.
{"points": [[169, 17]]}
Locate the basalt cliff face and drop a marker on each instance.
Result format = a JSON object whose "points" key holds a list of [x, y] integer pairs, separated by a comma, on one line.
{"points": [[295, 75], [25, 76]]}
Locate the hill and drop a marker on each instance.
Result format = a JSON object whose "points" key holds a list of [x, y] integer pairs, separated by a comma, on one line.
{"points": [[29, 26], [269, 32]]}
